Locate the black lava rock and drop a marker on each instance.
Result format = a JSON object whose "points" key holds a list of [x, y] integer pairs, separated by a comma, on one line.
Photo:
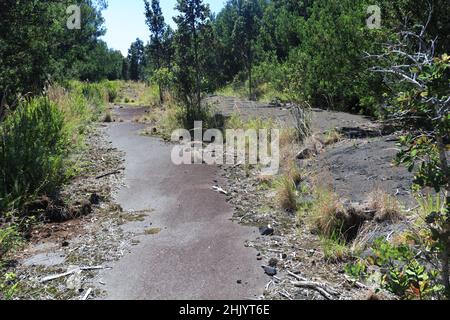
{"points": [[270, 271], [266, 231]]}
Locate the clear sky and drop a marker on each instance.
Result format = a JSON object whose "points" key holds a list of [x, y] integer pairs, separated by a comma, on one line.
{"points": [[125, 20]]}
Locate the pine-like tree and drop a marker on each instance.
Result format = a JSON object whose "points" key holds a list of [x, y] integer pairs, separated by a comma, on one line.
{"points": [[157, 27]]}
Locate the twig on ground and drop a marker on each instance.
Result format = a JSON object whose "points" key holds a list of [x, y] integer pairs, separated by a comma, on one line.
{"points": [[220, 190], [319, 287], [87, 294], [69, 272], [110, 173], [296, 276]]}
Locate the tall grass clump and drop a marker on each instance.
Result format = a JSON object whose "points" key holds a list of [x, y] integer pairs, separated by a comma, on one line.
{"points": [[325, 212], [286, 193], [97, 95], [33, 147], [77, 112]]}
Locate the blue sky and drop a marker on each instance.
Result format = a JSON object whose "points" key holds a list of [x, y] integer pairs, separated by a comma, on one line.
{"points": [[125, 20]]}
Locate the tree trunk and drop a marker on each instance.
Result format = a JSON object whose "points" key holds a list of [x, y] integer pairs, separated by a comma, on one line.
{"points": [[197, 70], [158, 66], [161, 95], [445, 265], [443, 159], [446, 236], [250, 83]]}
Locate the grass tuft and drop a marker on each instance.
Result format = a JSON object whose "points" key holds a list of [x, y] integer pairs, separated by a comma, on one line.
{"points": [[286, 193], [386, 206]]}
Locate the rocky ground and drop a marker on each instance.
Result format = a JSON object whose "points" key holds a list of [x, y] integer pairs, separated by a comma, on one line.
{"points": [[359, 163], [291, 255]]}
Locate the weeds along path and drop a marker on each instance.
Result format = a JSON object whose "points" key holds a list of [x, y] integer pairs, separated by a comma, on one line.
{"points": [[357, 163], [186, 245]]}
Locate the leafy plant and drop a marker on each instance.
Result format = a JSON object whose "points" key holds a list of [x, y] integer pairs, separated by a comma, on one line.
{"points": [[33, 147], [9, 239], [402, 273], [8, 286]]}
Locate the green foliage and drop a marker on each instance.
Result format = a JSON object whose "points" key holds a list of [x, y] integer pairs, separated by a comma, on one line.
{"points": [[334, 248], [422, 113], [33, 146], [155, 22], [136, 60], [9, 239], [356, 270], [193, 27], [36, 46], [101, 63], [328, 66], [164, 78], [8, 285], [402, 273]]}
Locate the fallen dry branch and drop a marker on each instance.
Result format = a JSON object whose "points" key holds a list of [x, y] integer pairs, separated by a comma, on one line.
{"points": [[220, 190], [356, 283], [110, 173], [328, 293], [68, 273], [296, 276], [87, 294]]}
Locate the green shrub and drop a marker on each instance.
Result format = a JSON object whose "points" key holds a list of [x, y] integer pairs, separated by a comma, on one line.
{"points": [[9, 239], [402, 271], [97, 94], [8, 286], [112, 89], [33, 146]]}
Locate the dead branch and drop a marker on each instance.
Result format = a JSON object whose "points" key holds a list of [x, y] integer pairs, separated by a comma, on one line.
{"points": [[296, 276], [327, 292], [69, 272], [110, 173], [88, 292]]}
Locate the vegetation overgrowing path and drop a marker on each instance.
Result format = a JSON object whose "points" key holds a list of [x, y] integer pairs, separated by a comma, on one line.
{"points": [[187, 246]]}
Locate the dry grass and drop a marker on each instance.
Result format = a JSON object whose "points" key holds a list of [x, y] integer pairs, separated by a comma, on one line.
{"points": [[286, 193], [325, 211], [386, 206], [293, 172], [332, 136], [108, 117]]}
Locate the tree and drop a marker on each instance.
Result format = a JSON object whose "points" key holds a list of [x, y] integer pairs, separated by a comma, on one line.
{"points": [[155, 22], [36, 46], [191, 23], [420, 81], [168, 48], [245, 34], [125, 69], [329, 66], [102, 63], [136, 60]]}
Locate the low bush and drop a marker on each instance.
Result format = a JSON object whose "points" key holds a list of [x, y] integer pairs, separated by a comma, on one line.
{"points": [[33, 148], [9, 239], [401, 271]]}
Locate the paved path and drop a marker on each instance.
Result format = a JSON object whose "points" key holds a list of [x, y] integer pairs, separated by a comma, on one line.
{"points": [[199, 253]]}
